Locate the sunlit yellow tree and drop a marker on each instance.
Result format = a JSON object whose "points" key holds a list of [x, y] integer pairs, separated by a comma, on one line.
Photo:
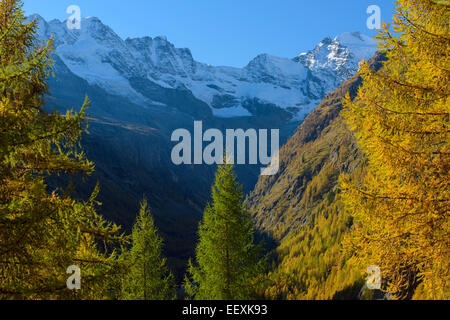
{"points": [[43, 232], [401, 120]]}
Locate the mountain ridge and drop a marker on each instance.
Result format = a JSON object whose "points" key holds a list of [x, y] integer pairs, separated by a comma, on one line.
{"points": [[143, 89], [294, 86]]}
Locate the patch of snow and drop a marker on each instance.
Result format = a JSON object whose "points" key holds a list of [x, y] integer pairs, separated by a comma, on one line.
{"points": [[237, 111]]}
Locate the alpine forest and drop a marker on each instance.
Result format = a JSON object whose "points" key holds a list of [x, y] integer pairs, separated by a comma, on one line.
{"points": [[350, 200]]}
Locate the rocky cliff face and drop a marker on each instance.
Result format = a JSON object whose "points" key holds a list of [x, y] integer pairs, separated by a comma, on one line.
{"points": [[127, 67]]}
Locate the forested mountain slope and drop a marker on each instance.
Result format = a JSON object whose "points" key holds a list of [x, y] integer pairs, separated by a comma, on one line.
{"points": [[300, 207]]}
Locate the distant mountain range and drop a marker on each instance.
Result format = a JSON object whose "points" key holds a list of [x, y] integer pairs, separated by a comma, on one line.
{"points": [[128, 67], [142, 89]]}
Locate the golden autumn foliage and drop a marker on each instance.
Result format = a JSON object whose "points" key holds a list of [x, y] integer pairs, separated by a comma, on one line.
{"points": [[313, 265], [42, 231], [310, 262], [401, 121], [391, 210]]}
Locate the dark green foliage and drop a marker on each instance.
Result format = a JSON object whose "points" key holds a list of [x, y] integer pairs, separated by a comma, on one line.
{"points": [[43, 229], [228, 260]]}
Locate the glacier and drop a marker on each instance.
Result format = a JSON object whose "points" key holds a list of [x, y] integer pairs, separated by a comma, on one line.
{"points": [[292, 85]]}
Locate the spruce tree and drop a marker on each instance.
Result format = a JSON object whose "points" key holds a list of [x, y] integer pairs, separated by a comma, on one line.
{"points": [[401, 120], [43, 232], [227, 258], [148, 277]]}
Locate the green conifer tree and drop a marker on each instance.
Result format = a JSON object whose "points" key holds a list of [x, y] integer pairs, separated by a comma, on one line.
{"points": [[228, 260], [148, 277], [42, 234]]}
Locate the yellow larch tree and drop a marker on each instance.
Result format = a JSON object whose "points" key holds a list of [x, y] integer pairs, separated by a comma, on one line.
{"points": [[401, 120]]}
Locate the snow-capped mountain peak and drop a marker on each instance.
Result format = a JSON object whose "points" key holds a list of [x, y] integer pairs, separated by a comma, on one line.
{"points": [[336, 60], [97, 54]]}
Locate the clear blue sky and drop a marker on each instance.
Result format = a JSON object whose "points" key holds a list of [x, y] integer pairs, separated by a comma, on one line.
{"points": [[225, 32]]}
